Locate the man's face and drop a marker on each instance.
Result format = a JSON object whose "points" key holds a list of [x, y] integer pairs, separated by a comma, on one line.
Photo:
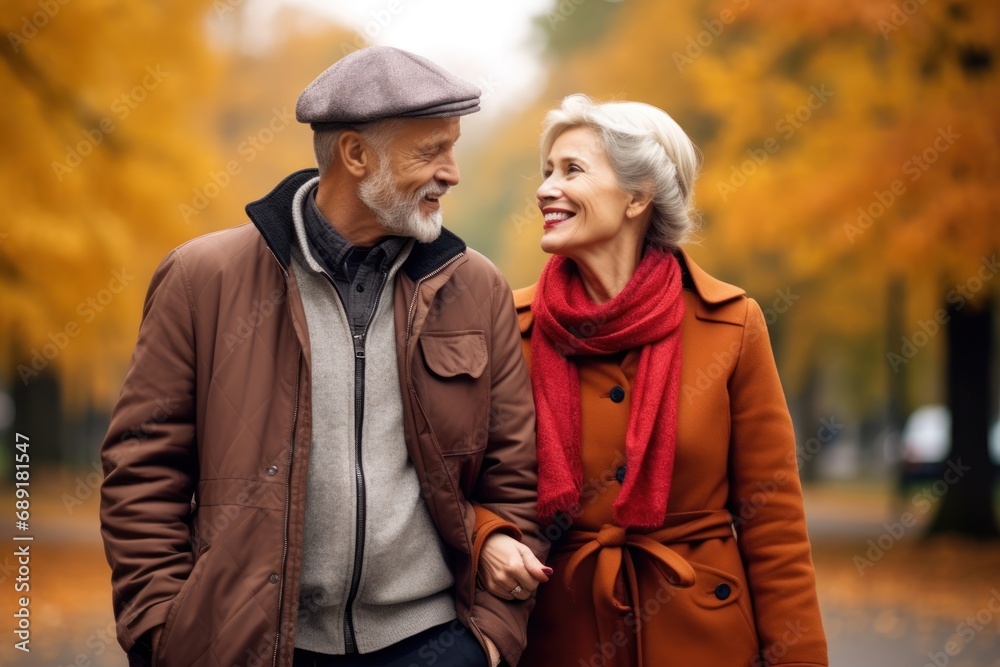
{"points": [[417, 170]]}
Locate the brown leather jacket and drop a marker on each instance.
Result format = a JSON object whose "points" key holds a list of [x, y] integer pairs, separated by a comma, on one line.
{"points": [[205, 458]]}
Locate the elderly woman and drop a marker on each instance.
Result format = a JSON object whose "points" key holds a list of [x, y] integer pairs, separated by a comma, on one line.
{"points": [[667, 463]]}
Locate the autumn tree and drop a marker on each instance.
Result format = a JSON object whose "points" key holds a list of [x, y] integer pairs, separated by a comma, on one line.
{"points": [[129, 128], [850, 162], [865, 154], [101, 133]]}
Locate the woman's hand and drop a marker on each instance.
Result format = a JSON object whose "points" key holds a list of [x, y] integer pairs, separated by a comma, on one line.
{"points": [[508, 569]]}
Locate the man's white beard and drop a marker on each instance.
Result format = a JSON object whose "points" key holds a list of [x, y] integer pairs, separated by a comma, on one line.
{"points": [[398, 212]]}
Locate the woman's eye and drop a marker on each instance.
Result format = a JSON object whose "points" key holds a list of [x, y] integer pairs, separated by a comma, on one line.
{"points": [[546, 173], [573, 168]]}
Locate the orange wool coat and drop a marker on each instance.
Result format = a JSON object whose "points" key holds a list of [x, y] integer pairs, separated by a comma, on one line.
{"points": [[728, 579]]}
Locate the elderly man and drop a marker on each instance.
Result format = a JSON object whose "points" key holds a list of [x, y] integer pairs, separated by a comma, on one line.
{"points": [[324, 450]]}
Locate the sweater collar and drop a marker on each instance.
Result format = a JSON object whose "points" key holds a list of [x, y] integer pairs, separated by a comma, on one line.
{"points": [[272, 215], [303, 250]]}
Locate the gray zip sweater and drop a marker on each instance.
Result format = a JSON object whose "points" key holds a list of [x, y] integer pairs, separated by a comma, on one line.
{"points": [[405, 581]]}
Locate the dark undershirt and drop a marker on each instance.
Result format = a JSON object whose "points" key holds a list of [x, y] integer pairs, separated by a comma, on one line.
{"points": [[356, 272]]}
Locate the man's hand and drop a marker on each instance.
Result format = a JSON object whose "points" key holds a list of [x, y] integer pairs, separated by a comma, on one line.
{"points": [[508, 569]]}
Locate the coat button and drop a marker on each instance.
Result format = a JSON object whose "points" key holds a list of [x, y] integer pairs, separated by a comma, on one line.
{"points": [[722, 591], [620, 475], [360, 287], [274, 578], [272, 470], [617, 394]]}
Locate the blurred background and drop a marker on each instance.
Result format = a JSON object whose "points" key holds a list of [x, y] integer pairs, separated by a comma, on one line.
{"points": [[850, 184]]}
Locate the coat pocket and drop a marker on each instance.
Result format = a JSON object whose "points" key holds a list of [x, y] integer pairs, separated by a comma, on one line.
{"points": [[197, 572], [454, 389], [455, 353], [725, 597]]}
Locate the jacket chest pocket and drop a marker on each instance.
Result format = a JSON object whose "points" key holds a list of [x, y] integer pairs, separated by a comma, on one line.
{"points": [[455, 388]]}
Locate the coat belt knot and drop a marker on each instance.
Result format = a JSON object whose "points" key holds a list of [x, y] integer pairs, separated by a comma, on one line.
{"points": [[611, 536], [615, 589]]}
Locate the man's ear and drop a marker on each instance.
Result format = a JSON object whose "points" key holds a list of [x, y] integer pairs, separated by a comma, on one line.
{"points": [[356, 156]]}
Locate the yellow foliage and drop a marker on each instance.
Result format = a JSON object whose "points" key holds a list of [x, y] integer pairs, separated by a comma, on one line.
{"points": [[99, 149], [133, 127], [808, 114]]}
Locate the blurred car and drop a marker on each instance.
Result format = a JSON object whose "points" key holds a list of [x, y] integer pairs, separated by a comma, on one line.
{"points": [[926, 442]]}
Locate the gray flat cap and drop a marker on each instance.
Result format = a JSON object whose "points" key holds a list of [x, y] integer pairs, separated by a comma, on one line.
{"points": [[381, 82]]}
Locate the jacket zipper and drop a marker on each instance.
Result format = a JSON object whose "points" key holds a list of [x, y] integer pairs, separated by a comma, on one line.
{"points": [[350, 642], [288, 500], [280, 265], [409, 314]]}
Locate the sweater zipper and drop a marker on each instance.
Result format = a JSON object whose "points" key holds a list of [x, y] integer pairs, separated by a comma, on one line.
{"points": [[288, 498], [409, 314], [350, 642]]}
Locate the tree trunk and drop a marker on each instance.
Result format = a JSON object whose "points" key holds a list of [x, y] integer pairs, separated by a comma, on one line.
{"points": [[896, 378], [896, 405], [967, 503], [38, 415]]}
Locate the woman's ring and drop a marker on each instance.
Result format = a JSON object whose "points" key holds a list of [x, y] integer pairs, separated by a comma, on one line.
{"points": [[517, 589]]}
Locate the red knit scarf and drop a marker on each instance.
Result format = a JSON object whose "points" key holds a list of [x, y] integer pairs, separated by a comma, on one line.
{"points": [[646, 314]]}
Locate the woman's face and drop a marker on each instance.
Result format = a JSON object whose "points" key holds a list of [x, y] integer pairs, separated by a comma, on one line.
{"points": [[580, 199]]}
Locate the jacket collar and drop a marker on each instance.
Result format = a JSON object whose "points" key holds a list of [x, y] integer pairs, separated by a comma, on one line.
{"points": [[272, 215], [711, 291], [711, 295]]}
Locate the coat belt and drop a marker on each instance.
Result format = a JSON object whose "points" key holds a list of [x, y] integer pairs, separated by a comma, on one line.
{"points": [[613, 545]]}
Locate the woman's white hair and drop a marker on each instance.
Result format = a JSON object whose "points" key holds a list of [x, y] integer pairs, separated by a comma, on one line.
{"points": [[650, 155]]}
